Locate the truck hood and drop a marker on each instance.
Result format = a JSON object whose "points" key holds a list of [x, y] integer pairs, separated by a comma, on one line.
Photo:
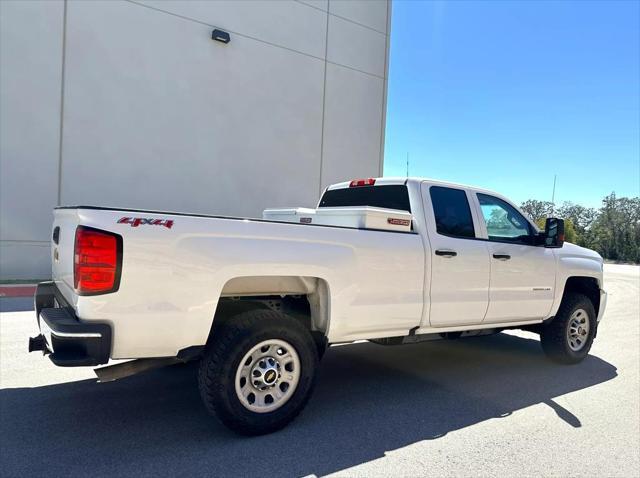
{"points": [[571, 250]]}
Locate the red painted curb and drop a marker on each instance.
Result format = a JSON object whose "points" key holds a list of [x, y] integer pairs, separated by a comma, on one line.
{"points": [[17, 291]]}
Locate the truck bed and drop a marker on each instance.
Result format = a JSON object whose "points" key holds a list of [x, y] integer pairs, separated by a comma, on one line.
{"points": [[234, 218], [172, 276]]}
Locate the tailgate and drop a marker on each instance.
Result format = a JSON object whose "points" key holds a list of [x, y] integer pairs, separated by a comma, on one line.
{"points": [[65, 222]]}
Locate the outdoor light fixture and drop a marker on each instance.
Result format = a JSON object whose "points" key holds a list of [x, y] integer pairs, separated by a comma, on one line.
{"points": [[220, 35]]}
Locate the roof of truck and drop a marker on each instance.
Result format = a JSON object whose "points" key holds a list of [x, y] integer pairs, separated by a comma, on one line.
{"points": [[385, 181]]}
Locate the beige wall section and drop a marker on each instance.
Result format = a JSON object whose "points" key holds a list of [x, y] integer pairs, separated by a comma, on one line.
{"points": [[30, 83], [353, 100], [290, 24], [355, 91], [370, 13], [157, 115], [200, 127], [320, 4], [355, 46]]}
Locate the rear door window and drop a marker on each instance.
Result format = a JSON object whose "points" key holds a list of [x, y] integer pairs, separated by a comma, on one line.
{"points": [[392, 196], [452, 212]]}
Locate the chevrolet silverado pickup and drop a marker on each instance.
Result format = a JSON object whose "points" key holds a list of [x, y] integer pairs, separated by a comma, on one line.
{"points": [[257, 301]]}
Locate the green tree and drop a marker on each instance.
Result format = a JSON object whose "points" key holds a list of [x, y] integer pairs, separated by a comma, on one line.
{"points": [[569, 229], [615, 233], [582, 219], [613, 230], [537, 209]]}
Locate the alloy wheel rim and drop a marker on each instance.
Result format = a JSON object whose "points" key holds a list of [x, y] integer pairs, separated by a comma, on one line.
{"points": [[267, 376], [578, 330]]}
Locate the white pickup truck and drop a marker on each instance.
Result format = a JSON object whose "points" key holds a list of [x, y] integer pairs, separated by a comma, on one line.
{"points": [[258, 301]]}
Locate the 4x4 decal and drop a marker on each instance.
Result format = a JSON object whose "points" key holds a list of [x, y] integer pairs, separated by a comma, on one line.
{"points": [[141, 221]]}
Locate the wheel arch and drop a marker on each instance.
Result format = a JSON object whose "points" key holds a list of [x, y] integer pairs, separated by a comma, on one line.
{"points": [[303, 297], [585, 285]]}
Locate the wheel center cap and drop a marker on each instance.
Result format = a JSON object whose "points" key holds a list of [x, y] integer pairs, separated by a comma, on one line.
{"points": [[270, 376], [265, 372]]}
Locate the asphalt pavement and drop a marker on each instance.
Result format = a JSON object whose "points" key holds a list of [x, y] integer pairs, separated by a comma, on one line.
{"points": [[489, 406]]}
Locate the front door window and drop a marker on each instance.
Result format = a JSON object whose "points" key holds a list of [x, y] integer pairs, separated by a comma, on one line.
{"points": [[504, 222]]}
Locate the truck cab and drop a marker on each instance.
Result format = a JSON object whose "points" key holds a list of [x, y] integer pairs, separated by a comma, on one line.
{"points": [[486, 262]]}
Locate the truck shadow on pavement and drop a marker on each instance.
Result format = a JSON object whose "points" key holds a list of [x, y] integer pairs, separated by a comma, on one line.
{"points": [[369, 399]]}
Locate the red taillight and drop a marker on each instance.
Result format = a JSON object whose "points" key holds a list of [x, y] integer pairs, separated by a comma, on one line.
{"points": [[362, 182], [96, 264]]}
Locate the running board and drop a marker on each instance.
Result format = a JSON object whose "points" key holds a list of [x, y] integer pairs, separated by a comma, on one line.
{"points": [[414, 339], [468, 328], [133, 367]]}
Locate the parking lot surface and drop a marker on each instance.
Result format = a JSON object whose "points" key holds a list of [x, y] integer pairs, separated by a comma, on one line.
{"points": [[489, 406]]}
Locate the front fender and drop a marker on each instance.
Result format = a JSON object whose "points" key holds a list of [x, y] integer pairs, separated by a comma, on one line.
{"points": [[572, 265]]}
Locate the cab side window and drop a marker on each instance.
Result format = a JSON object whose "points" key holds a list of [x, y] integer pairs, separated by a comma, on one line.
{"points": [[504, 222], [452, 212]]}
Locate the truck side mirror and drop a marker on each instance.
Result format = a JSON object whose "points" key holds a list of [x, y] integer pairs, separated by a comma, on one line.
{"points": [[554, 232]]}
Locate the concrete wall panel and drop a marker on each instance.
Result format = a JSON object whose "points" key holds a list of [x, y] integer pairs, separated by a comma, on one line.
{"points": [[321, 4], [160, 116], [285, 23], [30, 79], [25, 260], [372, 13], [353, 112], [356, 46]]}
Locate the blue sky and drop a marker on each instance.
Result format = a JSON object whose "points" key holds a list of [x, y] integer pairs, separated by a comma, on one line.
{"points": [[505, 94]]}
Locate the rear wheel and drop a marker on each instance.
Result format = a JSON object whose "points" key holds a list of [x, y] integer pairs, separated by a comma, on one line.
{"points": [[569, 336], [258, 371]]}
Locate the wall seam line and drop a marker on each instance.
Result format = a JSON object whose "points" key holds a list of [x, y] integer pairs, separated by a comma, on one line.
{"points": [[356, 23], [62, 85], [340, 16], [385, 90], [243, 35], [249, 37], [355, 69], [324, 101]]}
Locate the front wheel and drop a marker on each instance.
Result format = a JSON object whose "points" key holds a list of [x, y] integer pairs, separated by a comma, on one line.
{"points": [[258, 371], [568, 337]]}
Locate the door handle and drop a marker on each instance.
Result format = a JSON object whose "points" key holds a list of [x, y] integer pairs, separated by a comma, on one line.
{"points": [[502, 257], [446, 253]]}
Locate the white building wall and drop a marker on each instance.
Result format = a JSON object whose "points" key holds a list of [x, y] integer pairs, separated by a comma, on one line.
{"points": [[131, 104]]}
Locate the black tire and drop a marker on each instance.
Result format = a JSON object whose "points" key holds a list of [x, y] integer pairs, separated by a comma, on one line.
{"points": [[321, 343], [227, 347], [554, 337]]}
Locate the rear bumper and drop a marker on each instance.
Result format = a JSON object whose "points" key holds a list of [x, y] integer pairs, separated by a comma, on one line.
{"points": [[67, 340]]}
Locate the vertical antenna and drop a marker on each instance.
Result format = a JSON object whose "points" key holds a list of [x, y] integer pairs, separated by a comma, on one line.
{"points": [[553, 194], [407, 163]]}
